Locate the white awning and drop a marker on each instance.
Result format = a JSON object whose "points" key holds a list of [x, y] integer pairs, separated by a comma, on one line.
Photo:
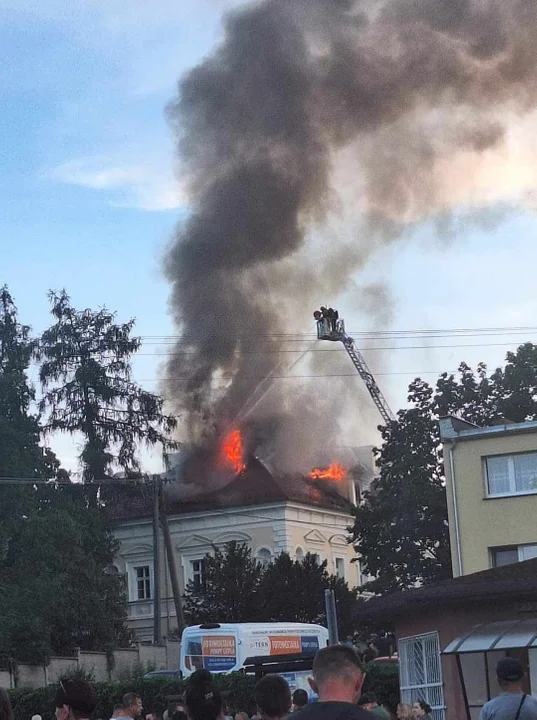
{"points": [[502, 635]]}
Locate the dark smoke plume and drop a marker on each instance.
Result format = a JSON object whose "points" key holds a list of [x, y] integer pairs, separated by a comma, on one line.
{"points": [[299, 92]]}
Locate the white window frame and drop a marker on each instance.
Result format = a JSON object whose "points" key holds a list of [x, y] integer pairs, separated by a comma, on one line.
{"points": [[344, 561], [192, 573], [133, 580], [518, 548], [513, 492], [431, 664]]}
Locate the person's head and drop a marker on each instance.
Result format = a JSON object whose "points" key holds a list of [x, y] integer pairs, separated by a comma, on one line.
{"points": [[154, 716], [132, 705], [202, 700], [421, 708], [300, 699], [272, 697], [510, 674], [37, 717], [367, 700], [6, 711], [75, 699], [337, 674], [404, 711], [242, 715], [179, 715]]}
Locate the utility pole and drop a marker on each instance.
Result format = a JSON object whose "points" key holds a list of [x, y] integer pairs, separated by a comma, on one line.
{"points": [[156, 560], [331, 617], [172, 569]]}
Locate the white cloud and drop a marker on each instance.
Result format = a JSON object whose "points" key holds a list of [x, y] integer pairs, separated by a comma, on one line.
{"points": [[151, 188]]}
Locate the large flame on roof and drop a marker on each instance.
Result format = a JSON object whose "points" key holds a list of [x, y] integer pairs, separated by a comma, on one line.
{"points": [[334, 471], [231, 452]]}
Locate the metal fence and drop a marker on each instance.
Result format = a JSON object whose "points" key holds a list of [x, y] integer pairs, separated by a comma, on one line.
{"points": [[420, 672]]}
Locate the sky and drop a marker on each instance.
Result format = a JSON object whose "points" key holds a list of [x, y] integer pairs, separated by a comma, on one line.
{"points": [[90, 194]]}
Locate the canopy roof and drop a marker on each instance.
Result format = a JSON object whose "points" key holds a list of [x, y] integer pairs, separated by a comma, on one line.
{"points": [[502, 635]]}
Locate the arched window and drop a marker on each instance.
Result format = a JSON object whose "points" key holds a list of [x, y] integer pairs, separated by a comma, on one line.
{"points": [[264, 556], [299, 554]]}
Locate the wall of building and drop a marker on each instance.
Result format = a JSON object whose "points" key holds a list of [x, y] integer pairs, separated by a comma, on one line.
{"points": [[486, 522], [159, 657], [450, 623], [276, 528]]}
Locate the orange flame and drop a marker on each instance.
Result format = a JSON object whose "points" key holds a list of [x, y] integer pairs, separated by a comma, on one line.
{"points": [[334, 471], [232, 452]]}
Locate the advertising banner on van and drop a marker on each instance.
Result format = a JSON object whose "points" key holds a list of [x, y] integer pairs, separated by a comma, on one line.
{"points": [[283, 644], [217, 653]]}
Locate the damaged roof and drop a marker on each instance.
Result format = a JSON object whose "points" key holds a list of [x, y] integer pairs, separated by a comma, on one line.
{"points": [[255, 485]]}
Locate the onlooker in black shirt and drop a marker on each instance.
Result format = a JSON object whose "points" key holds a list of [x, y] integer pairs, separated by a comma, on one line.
{"points": [[337, 680]]}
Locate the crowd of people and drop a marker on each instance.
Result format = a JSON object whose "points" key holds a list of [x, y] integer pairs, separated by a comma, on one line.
{"points": [[337, 680]]}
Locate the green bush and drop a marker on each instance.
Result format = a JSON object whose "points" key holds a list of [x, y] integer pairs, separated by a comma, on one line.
{"points": [[237, 690]]}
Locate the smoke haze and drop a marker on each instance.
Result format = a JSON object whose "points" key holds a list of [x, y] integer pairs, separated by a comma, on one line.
{"points": [[318, 131]]}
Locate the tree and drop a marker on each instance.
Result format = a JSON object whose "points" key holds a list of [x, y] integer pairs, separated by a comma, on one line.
{"points": [[293, 591], [401, 531], [21, 455], [229, 590], [237, 588], [88, 389], [55, 593]]}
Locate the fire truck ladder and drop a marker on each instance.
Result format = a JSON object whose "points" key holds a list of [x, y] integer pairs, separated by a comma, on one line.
{"points": [[334, 330]]}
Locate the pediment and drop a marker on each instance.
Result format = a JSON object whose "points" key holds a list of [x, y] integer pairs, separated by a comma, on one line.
{"points": [[194, 541], [136, 550], [315, 536], [232, 536], [338, 541]]}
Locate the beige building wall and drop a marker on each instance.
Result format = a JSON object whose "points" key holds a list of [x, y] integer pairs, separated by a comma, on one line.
{"points": [[267, 529], [478, 522]]}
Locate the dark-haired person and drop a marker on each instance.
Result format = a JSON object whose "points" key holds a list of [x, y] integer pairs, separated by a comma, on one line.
{"points": [[272, 697], [75, 700], [132, 705], [513, 704], [202, 700], [421, 709], [300, 700], [368, 701], [337, 680], [6, 711]]}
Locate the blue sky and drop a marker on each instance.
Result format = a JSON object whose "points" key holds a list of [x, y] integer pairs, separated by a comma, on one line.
{"points": [[89, 196]]}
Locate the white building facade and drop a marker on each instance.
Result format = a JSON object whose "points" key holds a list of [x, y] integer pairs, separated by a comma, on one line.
{"points": [[305, 520]]}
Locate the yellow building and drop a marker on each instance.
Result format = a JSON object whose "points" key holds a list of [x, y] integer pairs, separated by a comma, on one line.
{"points": [[491, 483]]}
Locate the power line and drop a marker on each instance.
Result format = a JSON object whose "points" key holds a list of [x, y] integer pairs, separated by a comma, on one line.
{"points": [[172, 353]]}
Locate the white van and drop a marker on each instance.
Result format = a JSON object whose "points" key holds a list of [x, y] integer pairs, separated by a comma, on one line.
{"points": [[223, 648]]}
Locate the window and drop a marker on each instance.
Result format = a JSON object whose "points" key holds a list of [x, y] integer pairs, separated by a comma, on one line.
{"points": [[511, 474], [420, 672], [198, 567], [299, 554], [340, 568], [512, 554], [143, 582], [317, 558], [264, 556]]}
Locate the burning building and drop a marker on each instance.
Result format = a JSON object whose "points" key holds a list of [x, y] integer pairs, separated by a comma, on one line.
{"points": [[271, 512]]}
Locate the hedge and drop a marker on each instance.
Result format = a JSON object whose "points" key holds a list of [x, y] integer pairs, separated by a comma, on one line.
{"points": [[236, 687]]}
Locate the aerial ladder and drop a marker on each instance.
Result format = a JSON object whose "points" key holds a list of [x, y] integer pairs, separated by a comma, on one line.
{"points": [[332, 327]]}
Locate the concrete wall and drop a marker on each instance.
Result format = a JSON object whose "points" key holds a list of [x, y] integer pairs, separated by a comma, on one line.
{"points": [[486, 522], [161, 657]]}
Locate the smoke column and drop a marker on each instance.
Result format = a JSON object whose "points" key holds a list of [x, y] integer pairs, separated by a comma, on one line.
{"points": [[300, 94]]}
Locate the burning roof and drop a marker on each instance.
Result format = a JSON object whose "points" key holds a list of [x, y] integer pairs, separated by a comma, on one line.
{"points": [[254, 485]]}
